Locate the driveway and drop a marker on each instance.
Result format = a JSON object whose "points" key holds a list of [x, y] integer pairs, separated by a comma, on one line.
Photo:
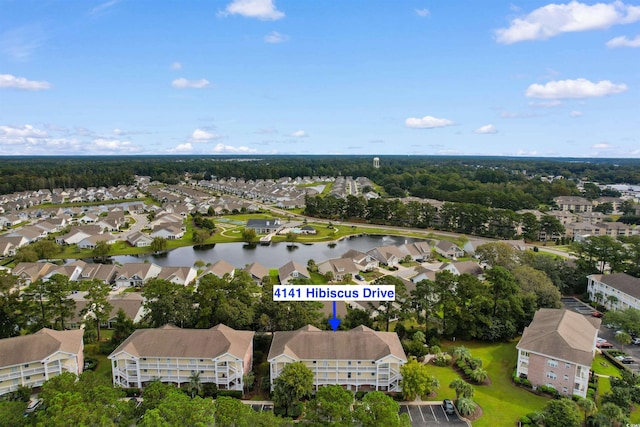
{"points": [[430, 414]]}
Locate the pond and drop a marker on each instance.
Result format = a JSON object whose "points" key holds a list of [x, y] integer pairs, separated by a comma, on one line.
{"points": [[272, 256]]}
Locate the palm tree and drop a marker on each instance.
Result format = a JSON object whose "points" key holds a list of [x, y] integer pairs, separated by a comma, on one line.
{"points": [[461, 352], [195, 386], [458, 386], [479, 375], [587, 406], [466, 406]]}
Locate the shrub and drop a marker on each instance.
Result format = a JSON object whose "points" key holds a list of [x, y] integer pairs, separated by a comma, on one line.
{"points": [[236, 394], [525, 420], [517, 381], [591, 394], [360, 394], [526, 383], [474, 362], [435, 349], [442, 359]]}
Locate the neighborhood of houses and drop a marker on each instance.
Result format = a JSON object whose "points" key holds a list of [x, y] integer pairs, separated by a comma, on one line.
{"points": [[555, 350]]}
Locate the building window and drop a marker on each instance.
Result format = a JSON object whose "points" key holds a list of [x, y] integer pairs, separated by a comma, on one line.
{"points": [[524, 353], [552, 363], [315, 361], [566, 377], [551, 375], [349, 363], [565, 390], [26, 365], [567, 365], [28, 378]]}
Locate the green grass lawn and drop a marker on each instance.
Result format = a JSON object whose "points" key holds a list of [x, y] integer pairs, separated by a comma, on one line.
{"points": [[502, 402], [602, 366]]}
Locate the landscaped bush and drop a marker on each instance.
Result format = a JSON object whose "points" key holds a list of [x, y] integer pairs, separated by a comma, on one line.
{"points": [[525, 420], [435, 349], [442, 359], [527, 383], [360, 394], [517, 380], [474, 363], [236, 394], [591, 394], [548, 390]]}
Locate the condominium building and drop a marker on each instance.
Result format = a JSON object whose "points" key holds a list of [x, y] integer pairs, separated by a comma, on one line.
{"points": [[219, 355], [30, 360], [557, 350], [359, 359], [615, 291]]}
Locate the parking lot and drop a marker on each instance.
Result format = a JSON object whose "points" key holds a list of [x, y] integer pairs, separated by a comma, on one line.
{"points": [[430, 415]]}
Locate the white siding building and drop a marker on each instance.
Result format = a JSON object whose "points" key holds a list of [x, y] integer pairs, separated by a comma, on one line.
{"points": [[615, 291]]}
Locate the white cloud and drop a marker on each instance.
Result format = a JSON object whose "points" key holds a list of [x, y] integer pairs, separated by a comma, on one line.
{"points": [[526, 153], [11, 81], [182, 148], [601, 145], [183, 83], [101, 8], [554, 19], [299, 134], [623, 41], [579, 88], [261, 9], [545, 104], [26, 131], [176, 66], [275, 37], [200, 135], [427, 122], [575, 113], [221, 148], [486, 129], [423, 12], [21, 42]]}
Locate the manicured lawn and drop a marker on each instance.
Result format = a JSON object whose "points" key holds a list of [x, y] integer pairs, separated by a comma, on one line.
{"points": [[602, 366], [502, 402]]}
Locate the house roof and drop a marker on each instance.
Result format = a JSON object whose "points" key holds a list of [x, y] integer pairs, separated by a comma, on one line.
{"points": [[361, 343], [621, 281], [130, 302], [287, 269], [171, 341], [257, 270], [561, 334], [39, 346], [219, 268]]}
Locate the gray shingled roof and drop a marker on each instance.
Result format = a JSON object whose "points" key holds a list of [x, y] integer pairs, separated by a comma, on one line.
{"points": [[561, 334], [621, 281], [38, 346], [171, 341], [361, 343]]}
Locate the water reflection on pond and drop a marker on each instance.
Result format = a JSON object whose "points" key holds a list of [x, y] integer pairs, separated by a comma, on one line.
{"points": [[273, 256]]}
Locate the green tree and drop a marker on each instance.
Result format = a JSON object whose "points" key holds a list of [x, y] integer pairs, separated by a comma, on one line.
{"points": [[479, 375], [200, 236], [159, 244], [294, 382], [101, 250], [228, 300], [356, 317], [416, 380], [122, 328], [168, 302], [388, 310], [539, 284], [377, 409], [462, 388], [587, 406], [330, 406], [9, 305], [195, 385], [12, 413], [98, 304], [561, 413], [249, 235], [274, 316], [177, 409]]}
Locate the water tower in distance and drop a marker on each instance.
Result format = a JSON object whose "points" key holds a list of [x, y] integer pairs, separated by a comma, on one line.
{"points": [[376, 162]]}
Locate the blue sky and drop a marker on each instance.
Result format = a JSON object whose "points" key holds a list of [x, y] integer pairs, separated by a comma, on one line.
{"points": [[527, 78]]}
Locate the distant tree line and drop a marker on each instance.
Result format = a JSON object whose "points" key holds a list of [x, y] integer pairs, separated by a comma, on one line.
{"points": [[498, 182]]}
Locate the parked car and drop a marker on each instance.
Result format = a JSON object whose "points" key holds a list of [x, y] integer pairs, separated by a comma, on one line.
{"points": [[635, 341], [359, 277], [32, 406], [596, 314], [604, 344], [628, 360], [447, 405]]}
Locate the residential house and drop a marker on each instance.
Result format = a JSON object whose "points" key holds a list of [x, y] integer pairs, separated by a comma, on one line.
{"points": [[9, 245], [178, 275], [104, 272], [387, 255], [264, 226], [292, 270], [131, 303], [257, 271], [219, 355], [168, 231], [359, 359], [219, 269], [464, 267], [557, 350], [338, 267], [28, 272], [139, 240], [72, 272], [30, 360], [136, 274], [419, 251], [365, 262], [92, 241], [448, 249], [616, 291]]}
